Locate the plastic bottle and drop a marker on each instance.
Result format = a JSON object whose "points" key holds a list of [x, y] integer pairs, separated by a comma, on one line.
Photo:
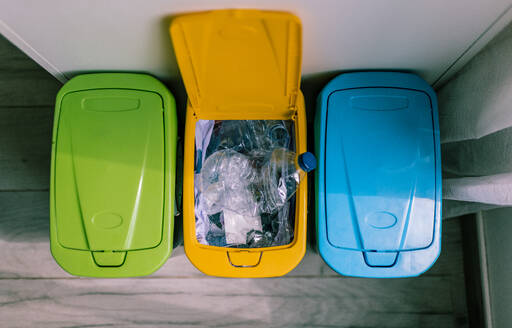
{"points": [[231, 180], [225, 181], [280, 177], [250, 136]]}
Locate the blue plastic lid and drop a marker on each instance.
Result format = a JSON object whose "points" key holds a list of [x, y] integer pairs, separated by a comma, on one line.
{"points": [[380, 169], [379, 178], [307, 161]]}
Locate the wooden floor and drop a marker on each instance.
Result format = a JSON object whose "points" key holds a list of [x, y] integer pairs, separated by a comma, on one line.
{"points": [[35, 292]]}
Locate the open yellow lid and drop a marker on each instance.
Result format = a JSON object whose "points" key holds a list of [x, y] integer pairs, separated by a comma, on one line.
{"points": [[239, 62]]}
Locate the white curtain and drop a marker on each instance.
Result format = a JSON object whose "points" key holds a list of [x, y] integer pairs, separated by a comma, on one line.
{"points": [[475, 114]]}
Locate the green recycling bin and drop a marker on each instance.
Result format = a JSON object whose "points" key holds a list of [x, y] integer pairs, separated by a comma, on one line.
{"points": [[113, 175]]}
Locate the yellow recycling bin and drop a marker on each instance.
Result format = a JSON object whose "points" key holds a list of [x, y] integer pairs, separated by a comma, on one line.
{"points": [[241, 65]]}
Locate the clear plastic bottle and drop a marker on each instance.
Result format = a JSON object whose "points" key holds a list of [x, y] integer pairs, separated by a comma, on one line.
{"points": [[250, 136], [231, 180], [225, 181], [280, 177]]}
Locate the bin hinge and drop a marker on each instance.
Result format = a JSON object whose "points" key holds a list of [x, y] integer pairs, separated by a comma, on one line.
{"points": [[293, 99], [194, 112], [293, 111], [292, 105]]}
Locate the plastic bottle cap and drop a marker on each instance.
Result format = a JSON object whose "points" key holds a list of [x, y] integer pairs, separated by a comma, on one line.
{"points": [[307, 161]]}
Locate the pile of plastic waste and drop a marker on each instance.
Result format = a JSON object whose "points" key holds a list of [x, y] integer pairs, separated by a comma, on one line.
{"points": [[246, 177]]}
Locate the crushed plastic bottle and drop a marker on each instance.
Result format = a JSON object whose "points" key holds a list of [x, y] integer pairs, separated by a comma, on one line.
{"points": [[250, 136], [225, 183], [231, 180], [281, 175]]}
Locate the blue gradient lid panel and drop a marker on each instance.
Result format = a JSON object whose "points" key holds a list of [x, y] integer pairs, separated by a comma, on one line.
{"points": [[378, 181]]}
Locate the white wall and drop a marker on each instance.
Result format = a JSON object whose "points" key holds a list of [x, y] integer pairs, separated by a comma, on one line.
{"points": [[68, 37]]}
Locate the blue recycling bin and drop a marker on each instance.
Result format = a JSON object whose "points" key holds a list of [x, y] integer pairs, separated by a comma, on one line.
{"points": [[378, 181]]}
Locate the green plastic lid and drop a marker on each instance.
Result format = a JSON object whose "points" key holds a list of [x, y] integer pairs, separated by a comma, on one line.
{"points": [[112, 186]]}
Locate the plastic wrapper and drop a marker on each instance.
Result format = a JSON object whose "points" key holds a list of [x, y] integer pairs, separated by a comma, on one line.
{"points": [[245, 183]]}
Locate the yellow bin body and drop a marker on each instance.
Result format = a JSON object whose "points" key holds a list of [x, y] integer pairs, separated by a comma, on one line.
{"points": [[240, 65]]}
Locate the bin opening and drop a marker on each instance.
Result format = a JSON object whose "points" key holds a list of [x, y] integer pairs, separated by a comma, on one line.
{"points": [[245, 177]]}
